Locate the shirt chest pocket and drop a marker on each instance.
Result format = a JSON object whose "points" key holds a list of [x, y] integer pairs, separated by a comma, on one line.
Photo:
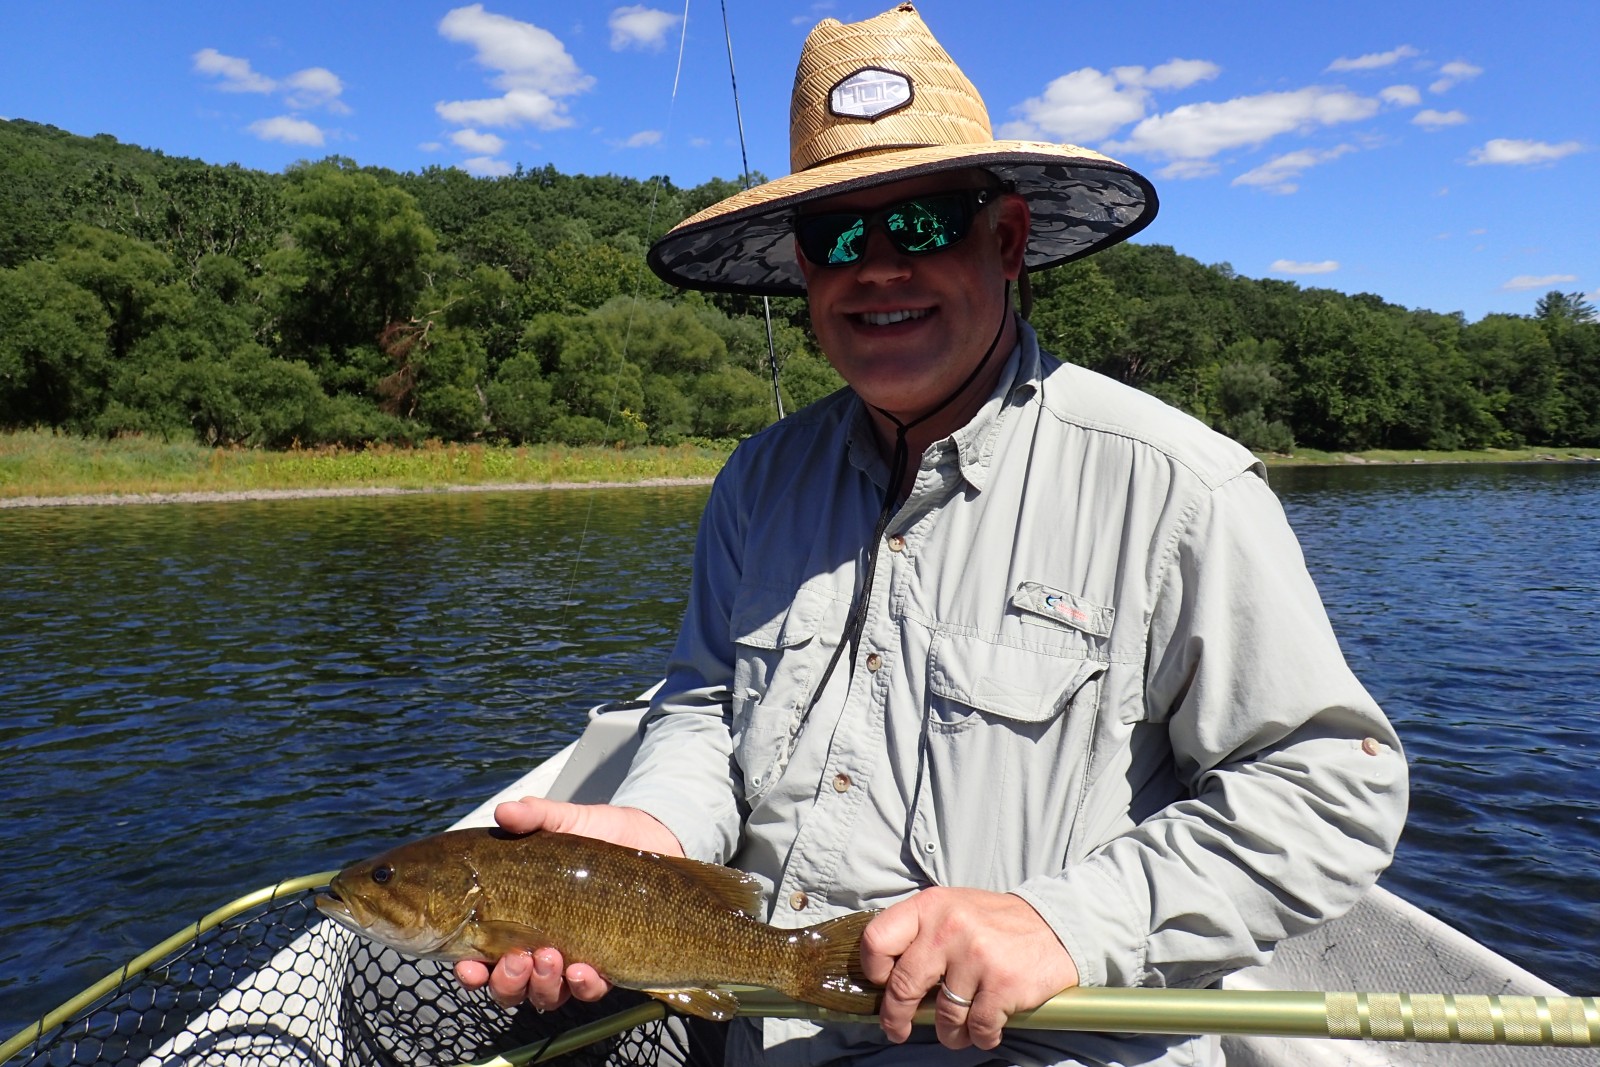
{"points": [[1003, 760], [779, 657]]}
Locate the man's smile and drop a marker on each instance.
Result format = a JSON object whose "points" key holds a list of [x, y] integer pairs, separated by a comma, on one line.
{"points": [[889, 318]]}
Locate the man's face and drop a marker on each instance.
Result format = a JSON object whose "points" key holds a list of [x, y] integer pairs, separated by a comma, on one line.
{"points": [[905, 330]]}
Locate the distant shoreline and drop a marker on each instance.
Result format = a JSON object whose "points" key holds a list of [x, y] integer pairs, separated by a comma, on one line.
{"points": [[226, 496], [210, 496]]}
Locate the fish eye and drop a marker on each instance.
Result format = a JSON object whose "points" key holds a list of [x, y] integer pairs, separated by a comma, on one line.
{"points": [[381, 875]]}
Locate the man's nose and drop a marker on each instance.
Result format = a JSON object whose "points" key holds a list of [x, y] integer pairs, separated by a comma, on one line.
{"points": [[881, 260]]}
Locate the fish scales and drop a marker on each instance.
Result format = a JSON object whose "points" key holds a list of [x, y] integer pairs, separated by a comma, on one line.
{"points": [[672, 927]]}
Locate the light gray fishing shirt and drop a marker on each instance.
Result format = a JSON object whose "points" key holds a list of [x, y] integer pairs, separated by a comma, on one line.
{"points": [[1094, 672]]}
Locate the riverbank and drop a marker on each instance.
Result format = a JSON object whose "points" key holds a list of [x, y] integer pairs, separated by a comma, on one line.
{"points": [[44, 469]]}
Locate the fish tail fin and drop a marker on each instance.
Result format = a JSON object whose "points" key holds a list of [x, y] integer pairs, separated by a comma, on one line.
{"points": [[830, 973]]}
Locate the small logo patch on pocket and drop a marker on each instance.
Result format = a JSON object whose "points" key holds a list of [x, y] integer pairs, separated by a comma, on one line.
{"points": [[1063, 608]]}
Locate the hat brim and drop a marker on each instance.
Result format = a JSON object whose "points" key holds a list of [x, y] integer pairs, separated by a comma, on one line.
{"points": [[1081, 202]]}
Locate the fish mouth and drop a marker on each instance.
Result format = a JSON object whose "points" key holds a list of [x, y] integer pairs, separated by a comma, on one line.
{"points": [[337, 908]]}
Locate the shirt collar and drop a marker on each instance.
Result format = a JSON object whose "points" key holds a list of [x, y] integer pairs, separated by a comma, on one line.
{"points": [[975, 442]]}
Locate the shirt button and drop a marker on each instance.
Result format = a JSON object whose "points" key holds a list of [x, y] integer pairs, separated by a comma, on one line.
{"points": [[841, 782], [897, 543], [874, 661], [798, 901]]}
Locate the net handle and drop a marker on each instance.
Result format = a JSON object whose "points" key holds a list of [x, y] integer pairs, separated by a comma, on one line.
{"points": [[1458, 1018]]}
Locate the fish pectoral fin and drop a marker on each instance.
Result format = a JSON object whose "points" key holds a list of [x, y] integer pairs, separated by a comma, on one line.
{"points": [[715, 1004], [496, 937]]}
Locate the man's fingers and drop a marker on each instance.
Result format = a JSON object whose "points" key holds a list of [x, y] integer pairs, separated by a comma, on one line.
{"points": [[508, 982], [472, 974], [545, 990], [586, 983], [883, 940], [529, 814], [952, 1010]]}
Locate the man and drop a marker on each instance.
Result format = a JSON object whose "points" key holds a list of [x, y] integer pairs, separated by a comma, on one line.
{"points": [[1018, 655]]}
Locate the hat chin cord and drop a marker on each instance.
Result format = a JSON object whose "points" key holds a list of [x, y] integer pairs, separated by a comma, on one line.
{"points": [[897, 475]]}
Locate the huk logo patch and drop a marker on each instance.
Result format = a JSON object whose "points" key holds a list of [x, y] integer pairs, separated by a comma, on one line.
{"points": [[870, 93]]}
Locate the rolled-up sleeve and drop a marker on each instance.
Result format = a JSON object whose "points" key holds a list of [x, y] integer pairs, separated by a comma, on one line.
{"points": [[683, 773], [1296, 782]]}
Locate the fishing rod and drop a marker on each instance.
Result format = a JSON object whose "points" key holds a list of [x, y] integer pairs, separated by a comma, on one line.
{"points": [[1457, 1018], [1451, 1018]]}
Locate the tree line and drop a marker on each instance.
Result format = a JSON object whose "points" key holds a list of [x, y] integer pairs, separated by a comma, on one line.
{"points": [[334, 303]]}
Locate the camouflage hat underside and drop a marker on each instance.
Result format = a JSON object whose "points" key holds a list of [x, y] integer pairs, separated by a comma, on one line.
{"points": [[1077, 209]]}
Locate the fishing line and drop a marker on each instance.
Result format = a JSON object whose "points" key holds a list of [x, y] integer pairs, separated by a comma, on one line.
{"points": [[627, 329], [744, 164]]}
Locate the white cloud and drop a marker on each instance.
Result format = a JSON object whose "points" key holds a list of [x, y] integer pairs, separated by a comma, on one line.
{"points": [[288, 129], [1277, 175], [1401, 95], [1523, 282], [430, 146], [236, 74], [1173, 74], [1435, 120], [1289, 266], [516, 108], [1454, 73], [815, 14], [1187, 169], [532, 67], [1504, 150], [485, 167], [1199, 131], [314, 87], [1374, 60], [1088, 105], [485, 144], [643, 139], [640, 27], [1079, 107]]}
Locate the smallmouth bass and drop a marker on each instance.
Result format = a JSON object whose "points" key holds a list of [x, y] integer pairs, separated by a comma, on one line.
{"points": [[670, 927]]}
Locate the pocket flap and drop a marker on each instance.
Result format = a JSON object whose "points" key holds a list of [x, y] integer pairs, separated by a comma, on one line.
{"points": [[1013, 683], [769, 618], [1063, 608]]}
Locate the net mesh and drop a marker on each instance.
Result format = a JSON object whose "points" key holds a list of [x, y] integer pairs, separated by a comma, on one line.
{"points": [[279, 985]]}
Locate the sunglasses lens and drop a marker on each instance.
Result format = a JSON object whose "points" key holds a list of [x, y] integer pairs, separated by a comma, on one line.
{"points": [[829, 240], [929, 224], [926, 224]]}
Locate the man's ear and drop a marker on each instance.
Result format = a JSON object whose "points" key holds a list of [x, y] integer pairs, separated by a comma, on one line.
{"points": [[1015, 222]]}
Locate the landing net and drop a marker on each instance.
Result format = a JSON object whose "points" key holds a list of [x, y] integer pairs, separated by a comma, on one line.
{"points": [[268, 980]]}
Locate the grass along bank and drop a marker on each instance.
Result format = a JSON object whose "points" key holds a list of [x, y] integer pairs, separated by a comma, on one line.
{"points": [[1310, 457], [42, 464], [39, 464]]}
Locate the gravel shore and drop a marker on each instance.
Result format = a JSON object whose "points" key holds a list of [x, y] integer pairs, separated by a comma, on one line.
{"points": [[208, 497]]}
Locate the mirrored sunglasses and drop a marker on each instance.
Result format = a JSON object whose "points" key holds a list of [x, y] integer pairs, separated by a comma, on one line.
{"points": [[916, 227]]}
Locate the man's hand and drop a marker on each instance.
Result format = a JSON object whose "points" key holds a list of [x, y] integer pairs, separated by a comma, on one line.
{"points": [[542, 977], [990, 948]]}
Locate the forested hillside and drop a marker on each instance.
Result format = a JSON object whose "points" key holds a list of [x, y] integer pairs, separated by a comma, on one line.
{"points": [[333, 303]]}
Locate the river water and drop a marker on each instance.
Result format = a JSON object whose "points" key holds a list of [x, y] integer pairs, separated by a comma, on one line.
{"points": [[199, 699]]}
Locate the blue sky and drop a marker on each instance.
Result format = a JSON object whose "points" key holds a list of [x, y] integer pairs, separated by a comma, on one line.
{"points": [[1440, 155]]}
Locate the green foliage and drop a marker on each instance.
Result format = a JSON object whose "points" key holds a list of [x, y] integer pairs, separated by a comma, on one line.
{"points": [[356, 258], [53, 354], [340, 305]]}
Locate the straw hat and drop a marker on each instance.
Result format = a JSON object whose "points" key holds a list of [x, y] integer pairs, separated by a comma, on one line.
{"points": [[880, 101]]}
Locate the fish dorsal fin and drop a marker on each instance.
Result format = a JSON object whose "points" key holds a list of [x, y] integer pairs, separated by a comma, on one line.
{"points": [[739, 891], [718, 1005]]}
